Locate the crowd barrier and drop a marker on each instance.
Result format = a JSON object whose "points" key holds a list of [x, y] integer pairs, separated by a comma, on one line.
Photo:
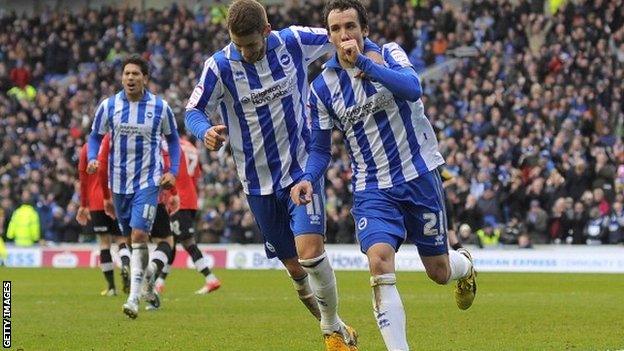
{"points": [[547, 259]]}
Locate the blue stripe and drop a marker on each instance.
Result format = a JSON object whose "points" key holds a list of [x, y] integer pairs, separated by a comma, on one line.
{"points": [[154, 147], [209, 85], [277, 72], [346, 88], [111, 156], [293, 139], [371, 167], [354, 169], [322, 90], [308, 38], [292, 45], [314, 114], [138, 147], [98, 117], [250, 166], [440, 191], [369, 88], [406, 115], [224, 114], [138, 165], [266, 126], [390, 146], [252, 76], [171, 120], [123, 141]]}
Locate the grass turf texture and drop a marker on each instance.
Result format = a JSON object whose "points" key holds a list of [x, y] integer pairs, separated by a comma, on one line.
{"points": [[57, 309]]}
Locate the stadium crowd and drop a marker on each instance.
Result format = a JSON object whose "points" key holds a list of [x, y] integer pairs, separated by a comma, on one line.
{"points": [[531, 127]]}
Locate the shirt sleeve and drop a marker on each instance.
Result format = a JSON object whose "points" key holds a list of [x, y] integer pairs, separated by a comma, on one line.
{"points": [[82, 176], [315, 43], [100, 122], [319, 115], [103, 167], [204, 100], [209, 90]]}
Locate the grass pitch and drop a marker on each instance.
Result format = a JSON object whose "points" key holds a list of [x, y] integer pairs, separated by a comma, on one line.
{"points": [[57, 309]]}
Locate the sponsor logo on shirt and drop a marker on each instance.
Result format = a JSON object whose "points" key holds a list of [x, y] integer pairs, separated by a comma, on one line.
{"points": [[357, 113], [264, 96]]}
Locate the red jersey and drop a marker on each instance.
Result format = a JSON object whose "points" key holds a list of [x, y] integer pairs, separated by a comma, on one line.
{"points": [[90, 188], [188, 176]]}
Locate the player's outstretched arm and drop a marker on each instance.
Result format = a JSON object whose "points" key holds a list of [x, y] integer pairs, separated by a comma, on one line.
{"points": [[315, 44]]}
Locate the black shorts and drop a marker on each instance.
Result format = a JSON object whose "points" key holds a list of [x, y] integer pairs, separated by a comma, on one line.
{"points": [[183, 224], [161, 228], [101, 223]]}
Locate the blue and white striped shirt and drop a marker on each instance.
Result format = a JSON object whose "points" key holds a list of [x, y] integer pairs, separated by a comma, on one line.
{"points": [[135, 161], [263, 105], [389, 139]]}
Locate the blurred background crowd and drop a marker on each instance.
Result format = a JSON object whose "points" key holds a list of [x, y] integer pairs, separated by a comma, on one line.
{"points": [[530, 124]]}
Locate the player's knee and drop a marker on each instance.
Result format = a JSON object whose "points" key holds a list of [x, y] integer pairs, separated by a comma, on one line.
{"points": [[294, 268], [439, 273], [188, 243], [309, 246], [139, 236], [380, 264], [105, 241]]}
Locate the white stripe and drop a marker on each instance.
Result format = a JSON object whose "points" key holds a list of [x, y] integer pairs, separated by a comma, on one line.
{"points": [[373, 135], [310, 208], [400, 134], [281, 138], [149, 108], [106, 267], [131, 157], [317, 204], [116, 171], [124, 253], [159, 255], [201, 264], [429, 147]]}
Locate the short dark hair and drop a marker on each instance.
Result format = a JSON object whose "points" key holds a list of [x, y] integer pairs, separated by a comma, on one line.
{"points": [[246, 17], [136, 59], [343, 5]]}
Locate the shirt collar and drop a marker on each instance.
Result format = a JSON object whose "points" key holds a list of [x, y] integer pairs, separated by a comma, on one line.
{"points": [[145, 97]]}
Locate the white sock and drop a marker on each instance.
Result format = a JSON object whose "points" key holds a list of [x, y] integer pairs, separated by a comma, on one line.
{"points": [[201, 264], [151, 269], [389, 312], [323, 284], [460, 265], [302, 285], [167, 268], [138, 264]]}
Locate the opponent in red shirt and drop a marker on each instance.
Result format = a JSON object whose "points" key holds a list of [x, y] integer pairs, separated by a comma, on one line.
{"points": [[183, 221], [91, 215]]}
